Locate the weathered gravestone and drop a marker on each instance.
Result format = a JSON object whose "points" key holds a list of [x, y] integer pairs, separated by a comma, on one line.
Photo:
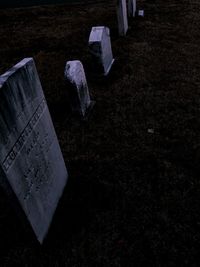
{"points": [[100, 48], [32, 169], [78, 89], [131, 8], [122, 17]]}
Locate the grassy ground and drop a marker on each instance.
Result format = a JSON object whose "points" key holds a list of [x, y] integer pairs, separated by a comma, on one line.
{"points": [[133, 194], [25, 3]]}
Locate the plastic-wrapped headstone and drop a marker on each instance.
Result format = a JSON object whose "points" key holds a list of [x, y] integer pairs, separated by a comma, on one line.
{"points": [[122, 17], [78, 89], [100, 48], [32, 169], [131, 8]]}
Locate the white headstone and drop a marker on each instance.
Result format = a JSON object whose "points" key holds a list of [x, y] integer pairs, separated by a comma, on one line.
{"points": [[141, 13], [100, 48], [32, 169], [78, 88], [122, 17], [131, 8]]}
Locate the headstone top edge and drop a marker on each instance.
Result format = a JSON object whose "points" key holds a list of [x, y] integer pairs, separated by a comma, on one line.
{"points": [[98, 27], [74, 62], [12, 70], [97, 32]]}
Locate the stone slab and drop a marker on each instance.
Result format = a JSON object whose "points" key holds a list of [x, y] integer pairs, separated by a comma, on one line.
{"points": [[100, 48], [31, 162], [78, 88], [122, 17], [141, 13], [131, 8]]}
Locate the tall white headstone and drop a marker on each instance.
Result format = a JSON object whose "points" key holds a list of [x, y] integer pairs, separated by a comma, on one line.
{"points": [[78, 88], [32, 169], [131, 8], [122, 17], [100, 48]]}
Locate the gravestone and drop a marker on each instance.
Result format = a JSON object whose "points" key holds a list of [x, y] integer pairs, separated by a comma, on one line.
{"points": [[131, 8], [32, 169], [122, 17], [78, 88], [101, 50], [141, 13]]}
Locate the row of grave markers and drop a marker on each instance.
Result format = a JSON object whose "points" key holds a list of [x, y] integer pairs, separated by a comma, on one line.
{"points": [[101, 50], [32, 168]]}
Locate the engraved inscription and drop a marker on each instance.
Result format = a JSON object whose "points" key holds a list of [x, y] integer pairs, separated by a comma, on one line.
{"points": [[32, 144], [38, 174], [9, 159], [36, 177]]}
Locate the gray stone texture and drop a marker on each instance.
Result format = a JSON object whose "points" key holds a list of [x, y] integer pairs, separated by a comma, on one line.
{"points": [[32, 168], [100, 48], [131, 8], [122, 17], [78, 88]]}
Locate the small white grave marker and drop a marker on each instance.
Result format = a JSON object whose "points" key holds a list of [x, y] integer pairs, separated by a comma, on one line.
{"points": [[78, 88], [141, 13]]}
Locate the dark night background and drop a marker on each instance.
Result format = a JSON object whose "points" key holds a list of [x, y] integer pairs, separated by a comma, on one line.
{"points": [[133, 196], [22, 3]]}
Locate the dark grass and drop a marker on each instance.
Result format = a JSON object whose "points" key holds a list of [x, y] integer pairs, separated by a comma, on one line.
{"points": [[31, 3], [133, 196]]}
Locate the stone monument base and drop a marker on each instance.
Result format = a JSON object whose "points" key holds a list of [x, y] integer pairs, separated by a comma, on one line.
{"points": [[108, 70], [88, 111]]}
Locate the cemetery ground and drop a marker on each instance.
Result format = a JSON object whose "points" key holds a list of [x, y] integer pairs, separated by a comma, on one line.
{"points": [[133, 194]]}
